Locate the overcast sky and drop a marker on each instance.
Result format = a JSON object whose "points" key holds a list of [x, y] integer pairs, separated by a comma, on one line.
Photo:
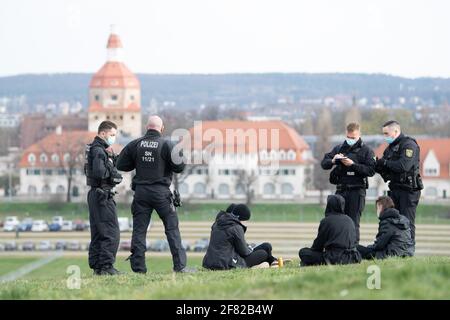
{"points": [[401, 37]]}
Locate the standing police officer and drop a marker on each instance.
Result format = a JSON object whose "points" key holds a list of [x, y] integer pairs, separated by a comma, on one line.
{"points": [[400, 166], [353, 162], [102, 176], [151, 156]]}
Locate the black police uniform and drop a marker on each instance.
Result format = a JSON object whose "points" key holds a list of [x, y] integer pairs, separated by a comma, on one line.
{"points": [[336, 239], [351, 182], [400, 166], [150, 155], [102, 176]]}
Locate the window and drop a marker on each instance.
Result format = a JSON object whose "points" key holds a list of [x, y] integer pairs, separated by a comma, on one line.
{"points": [[60, 189], [431, 172], [31, 158], [132, 97], [269, 188], [114, 97], [32, 190], [224, 189], [66, 157], [43, 157], [97, 98], [183, 188], [46, 189], [199, 188], [240, 189], [55, 158], [224, 172], [287, 188], [48, 172]]}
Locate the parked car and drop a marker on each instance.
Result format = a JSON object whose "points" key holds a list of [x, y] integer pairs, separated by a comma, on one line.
{"points": [[67, 226], [44, 245], [39, 226], [125, 245], [25, 225], [160, 246], [148, 244], [186, 245], [2, 247], [201, 245], [54, 227], [124, 224], [79, 225], [58, 220], [28, 246], [10, 246], [11, 223], [73, 246], [61, 245]]}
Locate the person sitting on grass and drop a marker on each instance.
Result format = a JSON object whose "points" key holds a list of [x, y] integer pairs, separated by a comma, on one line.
{"points": [[336, 239], [394, 233], [227, 246]]}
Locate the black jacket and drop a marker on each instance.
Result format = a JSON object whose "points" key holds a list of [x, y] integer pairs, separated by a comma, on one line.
{"points": [[99, 165], [400, 164], [227, 246], [394, 236], [151, 156], [337, 234], [355, 175]]}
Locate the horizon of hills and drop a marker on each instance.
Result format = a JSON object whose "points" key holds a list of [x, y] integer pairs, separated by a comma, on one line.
{"points": [[234, 89]]}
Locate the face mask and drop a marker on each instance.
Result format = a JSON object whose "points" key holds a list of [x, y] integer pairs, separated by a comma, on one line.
{"points": [[389, 140], [350, 142], [110, 140]]}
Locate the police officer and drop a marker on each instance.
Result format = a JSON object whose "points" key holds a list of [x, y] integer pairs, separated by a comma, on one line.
{"points": [[151, 156], [102, 176], [400, 166], [353, 163]]}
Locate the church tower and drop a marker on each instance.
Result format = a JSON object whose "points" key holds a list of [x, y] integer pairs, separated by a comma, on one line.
{"points": [[115, 93]]}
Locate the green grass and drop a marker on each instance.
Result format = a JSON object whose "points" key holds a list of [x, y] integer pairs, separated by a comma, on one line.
{"points": [[414, 278], [292, 212]]}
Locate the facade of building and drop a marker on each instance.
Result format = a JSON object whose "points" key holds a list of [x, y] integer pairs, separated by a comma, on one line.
{"points": [[115, 94], [434, 169], [250, 159]]}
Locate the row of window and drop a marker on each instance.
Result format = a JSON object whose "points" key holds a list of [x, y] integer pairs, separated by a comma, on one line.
{"points": [[114, 97], [52, 172], [60, 189], [264, 155], [44, 158], [224, 189]]}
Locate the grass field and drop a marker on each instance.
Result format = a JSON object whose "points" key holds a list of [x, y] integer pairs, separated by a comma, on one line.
{"points": [[414, 278], [426, 213]]}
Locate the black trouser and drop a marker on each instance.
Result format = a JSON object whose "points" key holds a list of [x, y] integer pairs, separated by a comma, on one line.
{"points": [[105, 233], [147, 198], [406, 203], [366, 252], [309, 257], [260, 254], [355, 201]]}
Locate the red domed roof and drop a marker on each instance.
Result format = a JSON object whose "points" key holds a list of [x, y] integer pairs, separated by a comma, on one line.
{"points": [[114, 74]]}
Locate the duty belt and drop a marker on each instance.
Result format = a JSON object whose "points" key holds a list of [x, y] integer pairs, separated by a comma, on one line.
{"points": [[345, 187]]}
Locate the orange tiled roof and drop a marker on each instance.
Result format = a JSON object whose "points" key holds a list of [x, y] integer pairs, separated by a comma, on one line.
{"points": [[72, 142], [289, 139], [114, 74], [441, 148]]}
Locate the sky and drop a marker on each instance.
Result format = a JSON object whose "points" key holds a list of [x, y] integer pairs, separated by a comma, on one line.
{"points": [[409, 38]]}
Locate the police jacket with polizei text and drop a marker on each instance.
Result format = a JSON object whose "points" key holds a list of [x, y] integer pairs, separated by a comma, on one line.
{"points": [[99, 164], [363, 166], [151, 156], [402, 158], [394, 235], [227, 246]]}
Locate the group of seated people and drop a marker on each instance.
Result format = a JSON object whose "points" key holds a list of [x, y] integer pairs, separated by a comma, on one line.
{"points": [[335, 243]]}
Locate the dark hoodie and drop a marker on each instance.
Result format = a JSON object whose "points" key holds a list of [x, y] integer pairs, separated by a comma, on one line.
{"points": [[227, 246], [394, 236], [337, 234]]}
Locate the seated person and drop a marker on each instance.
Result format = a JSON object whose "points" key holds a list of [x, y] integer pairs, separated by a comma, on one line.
{"points": [[227, 246], [394, 233], [336, 239]]}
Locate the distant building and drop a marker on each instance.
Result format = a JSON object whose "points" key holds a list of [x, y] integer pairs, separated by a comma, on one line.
{"points": [[115, 93], [276, 170], [434, 169], [35, 127], [8, 120]]}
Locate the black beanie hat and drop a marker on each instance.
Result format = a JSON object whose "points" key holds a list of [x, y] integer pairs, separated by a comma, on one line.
{"points": [[240, 210]]}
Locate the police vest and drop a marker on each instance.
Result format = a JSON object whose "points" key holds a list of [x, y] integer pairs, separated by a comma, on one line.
{"points": [[342, 175], [88, 161]]}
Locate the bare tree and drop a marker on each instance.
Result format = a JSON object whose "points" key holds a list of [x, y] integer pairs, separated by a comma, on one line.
{"points": [[246, 179], [324, 131]]}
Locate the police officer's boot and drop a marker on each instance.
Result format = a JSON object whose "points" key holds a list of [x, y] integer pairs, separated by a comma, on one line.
{"points": [[110, 270]]}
